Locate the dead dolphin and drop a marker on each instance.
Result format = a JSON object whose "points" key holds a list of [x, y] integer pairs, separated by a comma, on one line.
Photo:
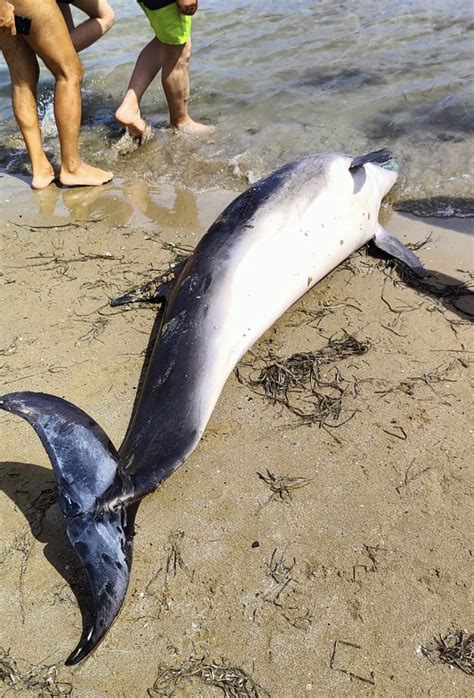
{"points": [[268, 247]]}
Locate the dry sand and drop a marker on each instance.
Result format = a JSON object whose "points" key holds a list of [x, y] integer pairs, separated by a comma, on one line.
{"points": [[328, 592]]}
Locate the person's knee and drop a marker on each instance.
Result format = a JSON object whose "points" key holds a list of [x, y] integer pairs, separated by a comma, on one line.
{"points": [[176, 58], [103, 13], [185, 55], [75, 69], [72, 71], [78, 71], [107, 17]]}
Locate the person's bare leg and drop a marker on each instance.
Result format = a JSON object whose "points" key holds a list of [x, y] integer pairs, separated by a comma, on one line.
{"points": [[175, 80], [146, 69], [50, 39], [24, 73], [101, 18], [67, 14]]}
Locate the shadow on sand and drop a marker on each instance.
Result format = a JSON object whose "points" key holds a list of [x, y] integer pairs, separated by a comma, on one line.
{"points": [[33, 489], [454, 294]]}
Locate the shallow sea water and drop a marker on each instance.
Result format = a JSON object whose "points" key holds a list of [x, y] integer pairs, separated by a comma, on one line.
{"points": [[282, 79]]}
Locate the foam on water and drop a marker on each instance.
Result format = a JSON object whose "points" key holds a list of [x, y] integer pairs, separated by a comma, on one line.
{"points": [[48, 123]]}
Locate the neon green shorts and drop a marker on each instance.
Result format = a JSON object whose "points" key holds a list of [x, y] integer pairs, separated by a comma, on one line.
{"points": [[169, 24]]}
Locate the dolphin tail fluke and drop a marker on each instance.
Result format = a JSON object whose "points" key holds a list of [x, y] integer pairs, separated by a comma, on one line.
{"points": [[393, 247], [92, 484]]}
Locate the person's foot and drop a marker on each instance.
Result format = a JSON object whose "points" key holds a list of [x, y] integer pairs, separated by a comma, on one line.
{"points": [[84, 175], [43, 176], [130, 117], [194, 127]]}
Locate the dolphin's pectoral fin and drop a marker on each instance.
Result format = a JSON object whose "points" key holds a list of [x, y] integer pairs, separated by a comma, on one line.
{"points": [[155, 291], [377, 156], [90, 475], [150, 292], [393, 247], [101, 545]]}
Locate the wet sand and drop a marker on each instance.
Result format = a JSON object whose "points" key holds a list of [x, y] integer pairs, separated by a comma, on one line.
{"points": [[328, 592]]}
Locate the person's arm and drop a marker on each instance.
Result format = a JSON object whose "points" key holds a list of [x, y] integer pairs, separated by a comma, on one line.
{"points": [[187, 7], [7, 18]]}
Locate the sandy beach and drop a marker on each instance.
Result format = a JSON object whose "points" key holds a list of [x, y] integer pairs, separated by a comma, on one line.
{"points": [[287, 557]]}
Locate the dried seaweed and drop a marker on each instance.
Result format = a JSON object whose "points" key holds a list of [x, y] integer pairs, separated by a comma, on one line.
{"points": [[415, 246], [22, 544], [49, 261], [49, 226], [332, 662], [410, 384], [282, 486], [313, 318], [175, 559], [180, 252], [372, 552], [279, 571], [233, 682], [96, 328], [281, 593], [19, 675], [455, 648], [410, 475], [51, 369], [10, 348], [295, 382]]}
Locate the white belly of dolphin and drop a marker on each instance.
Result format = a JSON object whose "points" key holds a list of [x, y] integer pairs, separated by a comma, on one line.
{"points": [[289, 245]]}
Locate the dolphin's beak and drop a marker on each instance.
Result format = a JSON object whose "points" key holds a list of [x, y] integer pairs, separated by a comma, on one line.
{"points": [[390, 165]]}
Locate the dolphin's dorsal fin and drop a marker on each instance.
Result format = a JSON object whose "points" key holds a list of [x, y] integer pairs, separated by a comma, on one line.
{"points": [[393, 247], [377, 156]]}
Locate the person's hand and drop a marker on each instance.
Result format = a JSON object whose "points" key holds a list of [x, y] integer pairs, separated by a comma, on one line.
{"points": [[187, 7], [7, 18]]}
